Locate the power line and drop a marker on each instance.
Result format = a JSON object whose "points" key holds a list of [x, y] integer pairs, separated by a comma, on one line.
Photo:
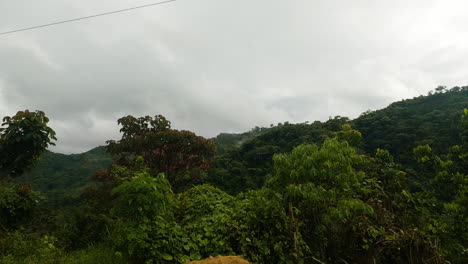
{"points": [[86, 17]]}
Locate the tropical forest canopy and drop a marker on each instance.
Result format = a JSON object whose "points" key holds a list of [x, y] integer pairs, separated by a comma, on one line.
{"points": [[390, 186]]}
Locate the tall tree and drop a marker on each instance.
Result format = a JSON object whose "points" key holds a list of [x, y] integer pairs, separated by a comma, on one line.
{"points": [[23, 137], [181, 155]]}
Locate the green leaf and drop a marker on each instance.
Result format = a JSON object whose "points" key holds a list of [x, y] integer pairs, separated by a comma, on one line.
{"points": [[167, 256]]}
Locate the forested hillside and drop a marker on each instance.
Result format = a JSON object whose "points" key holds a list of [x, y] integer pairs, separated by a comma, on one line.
{"points": [[388, 187], [398, 128], [244, 160], [227, 141], [247, 166], [59, 177], [433, 120]]}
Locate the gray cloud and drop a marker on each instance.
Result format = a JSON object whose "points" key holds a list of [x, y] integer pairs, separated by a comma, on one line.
{"points": [[223, 66]]}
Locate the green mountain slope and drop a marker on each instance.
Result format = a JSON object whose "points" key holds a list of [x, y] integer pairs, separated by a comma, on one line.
{"points": [[244, 160], [248, 165], [433, 119], [59, 176], [227, 141]]}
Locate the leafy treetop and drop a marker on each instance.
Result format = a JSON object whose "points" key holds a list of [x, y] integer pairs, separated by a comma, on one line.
{"points": [[180, 155], [23, 137]]}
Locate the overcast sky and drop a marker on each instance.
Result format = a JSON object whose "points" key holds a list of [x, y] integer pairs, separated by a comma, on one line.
{"points": [[214, 66]]}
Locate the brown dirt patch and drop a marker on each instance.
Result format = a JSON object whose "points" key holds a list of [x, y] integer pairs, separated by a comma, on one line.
{"points": [[221, 260]]}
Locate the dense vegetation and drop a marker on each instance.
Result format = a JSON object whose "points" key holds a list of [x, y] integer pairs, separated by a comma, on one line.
{"points": [[387, 187], [61, 178], [433, 120]]}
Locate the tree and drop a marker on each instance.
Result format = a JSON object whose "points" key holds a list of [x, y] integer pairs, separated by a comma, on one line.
{"points": [[441, 89], [146, 230], [352, 136], [323, 184], [23, 137], [17, 205], [180, 155], [330, 166]]}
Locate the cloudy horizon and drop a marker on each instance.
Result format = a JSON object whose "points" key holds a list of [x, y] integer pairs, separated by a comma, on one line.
{"points": [[223, 66]]}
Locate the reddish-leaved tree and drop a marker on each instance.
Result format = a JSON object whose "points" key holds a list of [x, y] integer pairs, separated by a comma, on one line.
{"points": [[181, 155]]}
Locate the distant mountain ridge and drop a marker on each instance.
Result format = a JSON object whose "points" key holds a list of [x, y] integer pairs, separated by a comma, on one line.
{"points": [[226, 141], [433, 119], [244, 158]]}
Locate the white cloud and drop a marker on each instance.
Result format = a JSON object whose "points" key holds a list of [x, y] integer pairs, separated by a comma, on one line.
{"points": [[223, 66]]}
